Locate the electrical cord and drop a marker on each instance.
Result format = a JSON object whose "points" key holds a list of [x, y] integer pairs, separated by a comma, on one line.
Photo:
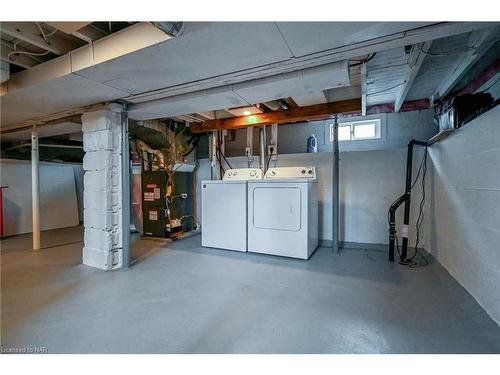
{"points": [[221, 168], [424, 160], [171, 199], [26, 53], [217, 155], [420, 218], [489, 87], [453, 53], [385, 90], [360, 62], [194, 143], [269, 158], [268, 162], [194, 217], [225, 159], [45, 36]]}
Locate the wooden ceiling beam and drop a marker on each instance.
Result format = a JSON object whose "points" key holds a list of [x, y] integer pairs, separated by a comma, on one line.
{"points": [[312, 112], [364, 89]]}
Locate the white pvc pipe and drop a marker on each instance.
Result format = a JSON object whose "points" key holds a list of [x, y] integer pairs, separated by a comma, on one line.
{"points": [[35, 189]]}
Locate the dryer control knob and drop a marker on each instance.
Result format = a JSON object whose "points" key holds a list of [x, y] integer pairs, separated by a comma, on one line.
{"points": [[273, 172], [253, 172], [303, 171]]}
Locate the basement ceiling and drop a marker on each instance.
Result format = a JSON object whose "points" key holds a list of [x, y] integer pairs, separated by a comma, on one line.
{"points": [[203, 51], [304, 38], [213, 66]]}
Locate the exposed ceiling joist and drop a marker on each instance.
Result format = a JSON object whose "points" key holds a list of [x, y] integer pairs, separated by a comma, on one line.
{"points": [[363, 89], [182, 118], [30, 33], [482, 40], [187, 118], [22, 60], [210, 115], [89, 34], [313, 112], [415, 62]]}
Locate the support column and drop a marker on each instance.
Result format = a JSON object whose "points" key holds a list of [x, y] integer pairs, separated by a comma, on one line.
{"points": [[35, 189], [103, 219], [335, 187]]}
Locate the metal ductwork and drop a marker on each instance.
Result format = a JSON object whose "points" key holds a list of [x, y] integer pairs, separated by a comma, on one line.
{"points": [[172, 29]]}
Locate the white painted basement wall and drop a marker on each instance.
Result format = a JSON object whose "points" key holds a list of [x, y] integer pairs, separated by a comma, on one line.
{"points": [[372, 176], [60, 195], [463, 215]]}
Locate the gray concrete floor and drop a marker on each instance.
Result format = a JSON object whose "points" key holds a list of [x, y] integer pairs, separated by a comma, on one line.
{"points": [[182, 298]]}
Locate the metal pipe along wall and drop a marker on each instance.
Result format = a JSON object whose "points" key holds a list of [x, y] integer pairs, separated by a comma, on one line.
{"points": [[335, 187], [262, 136], [35, 189]]}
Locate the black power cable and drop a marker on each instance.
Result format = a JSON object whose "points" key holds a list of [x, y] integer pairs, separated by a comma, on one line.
{"points": [[194, 141], [224, 157], [360, 62], [269, 158], [420, 218]]}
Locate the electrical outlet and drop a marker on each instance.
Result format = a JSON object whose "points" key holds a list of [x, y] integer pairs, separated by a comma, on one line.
{"points": [[272, 150], [184, 195]]}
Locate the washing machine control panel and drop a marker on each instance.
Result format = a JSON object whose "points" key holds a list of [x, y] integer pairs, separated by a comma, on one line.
{"points": [[291, 172], [243, 174]]}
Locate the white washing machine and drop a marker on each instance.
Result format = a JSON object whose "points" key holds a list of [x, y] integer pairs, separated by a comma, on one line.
{"points": [[283, 213], [224, 209]]}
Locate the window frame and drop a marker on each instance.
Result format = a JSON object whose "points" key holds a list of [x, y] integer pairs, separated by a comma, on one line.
{"points": [[352, 124]]}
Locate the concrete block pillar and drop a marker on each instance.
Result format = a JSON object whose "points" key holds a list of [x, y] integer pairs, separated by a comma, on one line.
{"points": [[102, 188]]}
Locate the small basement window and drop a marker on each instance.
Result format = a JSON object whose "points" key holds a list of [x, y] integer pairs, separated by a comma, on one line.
{"points": [[357, 130]]}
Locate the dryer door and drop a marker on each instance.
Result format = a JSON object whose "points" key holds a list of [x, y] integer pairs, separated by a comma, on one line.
{"points": [[277, 208]]}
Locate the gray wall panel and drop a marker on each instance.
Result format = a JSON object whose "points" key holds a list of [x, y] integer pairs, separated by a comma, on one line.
{"points": [[463, 215]]}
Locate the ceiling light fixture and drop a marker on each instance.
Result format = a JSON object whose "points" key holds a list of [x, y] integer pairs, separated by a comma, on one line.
{"points": [[246, 113]]}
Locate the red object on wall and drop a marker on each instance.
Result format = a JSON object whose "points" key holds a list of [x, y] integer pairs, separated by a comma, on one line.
{"points": [[1, 209]]}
